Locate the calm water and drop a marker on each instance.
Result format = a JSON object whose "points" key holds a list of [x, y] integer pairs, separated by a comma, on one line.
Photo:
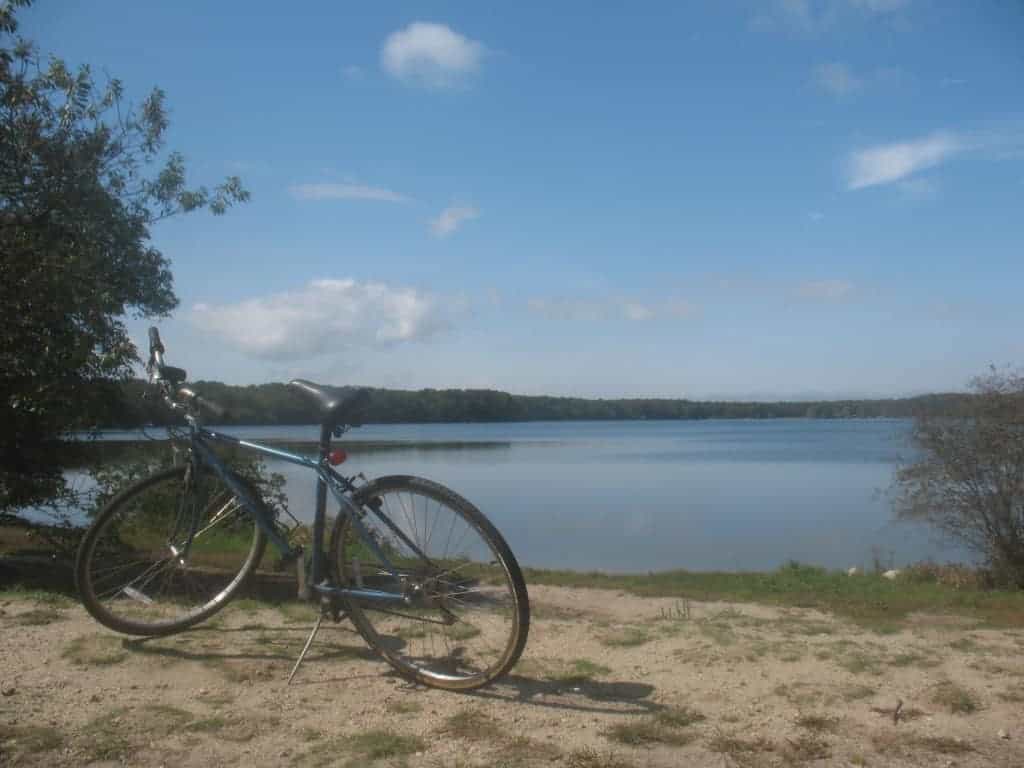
{"points": [[637, 496]]}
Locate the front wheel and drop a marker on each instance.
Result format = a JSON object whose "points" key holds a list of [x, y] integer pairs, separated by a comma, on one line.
{"points": [[167, 553], [466, 613]]}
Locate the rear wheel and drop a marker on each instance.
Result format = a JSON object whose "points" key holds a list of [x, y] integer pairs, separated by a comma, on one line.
{"points": [[167, 553], [466, 615]]}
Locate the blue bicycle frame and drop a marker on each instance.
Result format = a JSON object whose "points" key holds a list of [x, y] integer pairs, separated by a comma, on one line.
{"points": [[341, 488]]}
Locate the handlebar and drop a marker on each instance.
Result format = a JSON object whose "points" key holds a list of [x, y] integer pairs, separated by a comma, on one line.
{"points": [[169, 379]]}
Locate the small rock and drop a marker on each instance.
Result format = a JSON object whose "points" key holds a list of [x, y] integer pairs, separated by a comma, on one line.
{"points": [[94, 698], [1003, 734], [892, 574], [7, 690], [854, 571]]}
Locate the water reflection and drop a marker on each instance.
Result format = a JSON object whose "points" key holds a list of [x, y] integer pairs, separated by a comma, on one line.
{"points": [[658, 495]]}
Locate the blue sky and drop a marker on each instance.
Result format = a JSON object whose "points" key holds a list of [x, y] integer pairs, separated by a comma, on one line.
{"points": [[695, 199]]}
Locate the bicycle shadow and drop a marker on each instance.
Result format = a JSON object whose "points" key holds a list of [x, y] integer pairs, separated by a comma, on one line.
{"points": [[611, 697], [323, 650]]}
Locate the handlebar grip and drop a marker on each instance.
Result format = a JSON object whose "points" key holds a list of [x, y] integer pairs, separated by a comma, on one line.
{"points": [[155, 345]]}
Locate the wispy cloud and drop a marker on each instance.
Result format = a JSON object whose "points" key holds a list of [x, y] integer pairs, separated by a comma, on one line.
{"points": [[323, 317], [887, 163], [451, 218], [431, 55], [813, 17], [332, 191], [610, 309], [824, 290], [837, 79]]}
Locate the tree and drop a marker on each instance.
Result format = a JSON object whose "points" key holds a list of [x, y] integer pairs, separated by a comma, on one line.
{"points": [[969, 479], [83, 177]]}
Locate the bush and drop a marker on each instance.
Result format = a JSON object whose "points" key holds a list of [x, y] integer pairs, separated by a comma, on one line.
{"points": [[969, 479]]}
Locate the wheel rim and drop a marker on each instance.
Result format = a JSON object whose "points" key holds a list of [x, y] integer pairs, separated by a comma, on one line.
{"points": [[459, 626], [162, 559]]}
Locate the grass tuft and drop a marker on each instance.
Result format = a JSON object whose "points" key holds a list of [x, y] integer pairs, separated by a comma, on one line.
{"points": [[95, 650], [957, 699]]}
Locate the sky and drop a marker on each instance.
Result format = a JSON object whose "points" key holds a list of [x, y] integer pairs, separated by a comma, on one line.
{"points": [[739, 199]]}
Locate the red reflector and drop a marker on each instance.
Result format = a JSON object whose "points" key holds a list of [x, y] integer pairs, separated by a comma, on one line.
{"points": [[337, 456]]}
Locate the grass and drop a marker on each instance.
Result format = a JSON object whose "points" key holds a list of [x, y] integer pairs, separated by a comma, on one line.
{"points": [[818, 723], [25, 740], [21, 592], [579, 671], [380, 744], [588, 757], [738, 749], [625, 637], [868, 600], [958, 700], [402, 706], [471, 725], [665, 727], [95, 650], [38, 617], [806, 747], [905, 744]]}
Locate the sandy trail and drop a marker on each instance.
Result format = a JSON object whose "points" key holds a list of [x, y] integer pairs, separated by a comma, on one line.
{"points": [[607, 680]]}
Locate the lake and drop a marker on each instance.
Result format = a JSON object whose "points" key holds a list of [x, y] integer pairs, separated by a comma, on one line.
{"points": [[656, 495]]}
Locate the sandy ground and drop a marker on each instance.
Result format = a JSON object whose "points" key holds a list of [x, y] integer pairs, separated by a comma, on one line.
{"points": [[607, 681]]}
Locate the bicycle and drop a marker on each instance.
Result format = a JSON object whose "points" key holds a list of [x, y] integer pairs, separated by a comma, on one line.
{"points": [[174, 548]]}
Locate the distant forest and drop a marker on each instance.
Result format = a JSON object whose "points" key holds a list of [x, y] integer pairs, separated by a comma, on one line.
{"points": [[280, 404]]}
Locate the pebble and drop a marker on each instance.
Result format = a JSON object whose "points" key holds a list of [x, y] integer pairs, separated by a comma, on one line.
{"points": [[1003, 734], [8, 690]]}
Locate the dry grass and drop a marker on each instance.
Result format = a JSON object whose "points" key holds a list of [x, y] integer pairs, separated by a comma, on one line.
{"points": [[910, 745], [625, 637]]}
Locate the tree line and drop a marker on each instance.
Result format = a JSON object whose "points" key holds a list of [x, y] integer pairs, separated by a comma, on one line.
{"points": [[269, 404]]}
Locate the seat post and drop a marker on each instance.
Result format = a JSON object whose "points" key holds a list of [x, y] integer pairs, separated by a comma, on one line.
{"points": [[319, 520]]}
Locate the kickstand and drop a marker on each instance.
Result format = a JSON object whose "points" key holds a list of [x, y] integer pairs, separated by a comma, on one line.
{"points": [[305, 649]]}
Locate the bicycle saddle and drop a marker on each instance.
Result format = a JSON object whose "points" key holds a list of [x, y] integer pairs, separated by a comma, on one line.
{"points": [[335, 407]]}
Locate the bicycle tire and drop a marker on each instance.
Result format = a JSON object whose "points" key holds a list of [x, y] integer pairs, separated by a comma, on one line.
{"points": [[501, 613], [150, 603]]}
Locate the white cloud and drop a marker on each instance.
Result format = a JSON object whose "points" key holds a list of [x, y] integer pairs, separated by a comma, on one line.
{"points": [[431, 55], [825, 290], [610, 309], [886, 163], [331, 191], [325, 316], [451, 218], [836, 78]]}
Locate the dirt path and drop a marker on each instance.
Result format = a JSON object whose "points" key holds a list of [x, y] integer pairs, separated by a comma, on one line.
{"points": [[607, 681]]}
